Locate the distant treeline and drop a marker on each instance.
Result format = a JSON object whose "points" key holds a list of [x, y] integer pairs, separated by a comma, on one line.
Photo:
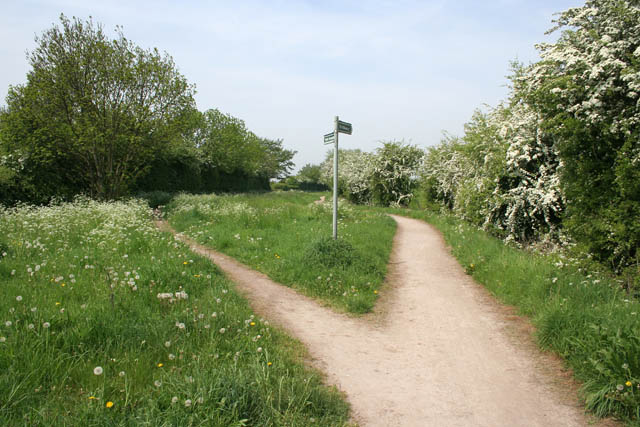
{"points": [[105, 118]]}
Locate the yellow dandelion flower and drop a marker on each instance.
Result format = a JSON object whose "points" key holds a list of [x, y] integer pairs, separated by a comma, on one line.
{"points": [[160, 365], [63, 285], [109, 404], [375, 292], [253, 323], [185, 263], [92, 397], [269, 363], [628, 384], [57, 303]]}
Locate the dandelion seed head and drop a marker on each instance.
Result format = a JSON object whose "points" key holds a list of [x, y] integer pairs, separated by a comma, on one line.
{"points": [[98, 370]]}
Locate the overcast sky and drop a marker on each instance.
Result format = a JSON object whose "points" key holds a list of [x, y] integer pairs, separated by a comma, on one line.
{"points": [[397, 70]]}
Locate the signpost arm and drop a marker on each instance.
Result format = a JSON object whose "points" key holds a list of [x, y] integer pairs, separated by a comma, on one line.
{"points": [[335, 182]]}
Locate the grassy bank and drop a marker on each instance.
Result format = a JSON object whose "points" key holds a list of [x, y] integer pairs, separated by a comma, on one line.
{"points": [[287, 236], [586, 319], [106, 321]]}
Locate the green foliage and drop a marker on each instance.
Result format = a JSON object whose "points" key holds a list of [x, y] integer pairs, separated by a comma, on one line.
{"points": [[156, 198], [229, 146], [310, 179], [178, 168], [310, 173], [88, 285]]}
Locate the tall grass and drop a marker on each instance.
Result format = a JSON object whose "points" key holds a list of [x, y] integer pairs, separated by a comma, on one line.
{"points": [[585, 318], [286, 235], [106, 321]]}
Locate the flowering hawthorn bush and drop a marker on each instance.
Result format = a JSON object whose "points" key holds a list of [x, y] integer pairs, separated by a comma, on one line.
{"points": [[587, 89], [564, 146], [354, 169], [385, 177], [502, 175]]}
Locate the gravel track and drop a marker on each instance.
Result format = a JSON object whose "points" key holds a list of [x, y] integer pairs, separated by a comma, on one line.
{"points": [[438, 351]]}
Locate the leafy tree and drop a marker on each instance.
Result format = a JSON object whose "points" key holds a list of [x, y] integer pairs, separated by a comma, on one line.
{"points": [[272, 160], [310, 173], [94, 111], [229, 146]]}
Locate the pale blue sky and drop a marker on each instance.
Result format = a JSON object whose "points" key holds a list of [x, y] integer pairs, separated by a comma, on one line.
{"points": [[395, 69]]}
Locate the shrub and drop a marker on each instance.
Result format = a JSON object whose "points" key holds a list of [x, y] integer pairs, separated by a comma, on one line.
{"points": [[331, 253]]}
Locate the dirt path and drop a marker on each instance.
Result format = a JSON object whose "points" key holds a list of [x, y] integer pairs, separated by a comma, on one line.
{"points": [[440, 354]]}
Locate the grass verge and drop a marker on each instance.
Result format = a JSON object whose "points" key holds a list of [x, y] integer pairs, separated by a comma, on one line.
{"points": [[105, 320], [586, 319], [287, 236]]}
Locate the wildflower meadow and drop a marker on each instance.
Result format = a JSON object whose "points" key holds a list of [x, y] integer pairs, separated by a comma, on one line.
{"points": [[287, 235], [105, 320]]}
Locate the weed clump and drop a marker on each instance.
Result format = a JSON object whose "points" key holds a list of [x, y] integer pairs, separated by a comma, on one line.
{"points": [[331, 253]]}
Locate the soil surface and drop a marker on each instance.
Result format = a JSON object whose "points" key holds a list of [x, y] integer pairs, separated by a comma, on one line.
{"points": [[438, 351]]}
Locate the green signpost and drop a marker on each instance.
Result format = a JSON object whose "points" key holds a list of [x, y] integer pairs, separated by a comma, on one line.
{"points": [[344, 127], [339, 127], [329, 138]]}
